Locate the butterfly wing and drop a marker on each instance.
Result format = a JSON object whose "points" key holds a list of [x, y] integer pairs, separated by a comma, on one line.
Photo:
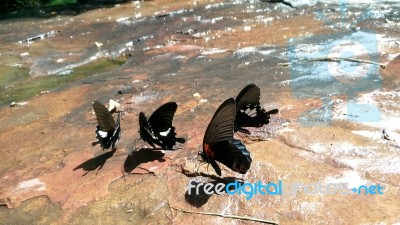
{"points": [[233, 154], [253, 116], [145, 131], [161, 125], [107, 132], [218, 142], [161, 119], [104, 118], [249, 113], [249, 95], [220, 127]]}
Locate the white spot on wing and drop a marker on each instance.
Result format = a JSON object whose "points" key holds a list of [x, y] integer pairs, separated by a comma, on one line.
{"points": [[165, 133], [102, 134], [253, 112]]}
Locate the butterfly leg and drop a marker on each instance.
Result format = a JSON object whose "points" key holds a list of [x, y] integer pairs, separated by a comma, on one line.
{"points": [[198, 167]]}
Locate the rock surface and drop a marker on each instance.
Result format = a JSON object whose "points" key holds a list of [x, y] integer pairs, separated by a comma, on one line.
{"points": [[50, 173]]}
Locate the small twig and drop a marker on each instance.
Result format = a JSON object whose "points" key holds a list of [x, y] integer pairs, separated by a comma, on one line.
{"points": [[148, 171], [226, 216], [280, 1], [283, 64], [194, 37], [338, 59]]}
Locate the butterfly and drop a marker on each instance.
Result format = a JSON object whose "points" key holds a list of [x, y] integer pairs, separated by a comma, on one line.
{"points": [[249, 113], [158, 130], [107, 131], [219, 144]]}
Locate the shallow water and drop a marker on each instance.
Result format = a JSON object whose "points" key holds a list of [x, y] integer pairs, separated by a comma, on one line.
{"points": [[147, 53]]}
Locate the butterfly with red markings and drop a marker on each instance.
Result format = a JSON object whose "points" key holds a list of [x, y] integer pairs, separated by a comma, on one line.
{"points": [[107, 131], [219, 144], [158, 130], [249, 113]]}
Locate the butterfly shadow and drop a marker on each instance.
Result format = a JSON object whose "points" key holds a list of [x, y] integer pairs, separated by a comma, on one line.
{"points": [[143, 155], [199, 199], [95, 163]]}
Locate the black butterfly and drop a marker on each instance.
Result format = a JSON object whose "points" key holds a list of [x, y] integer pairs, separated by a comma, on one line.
{"points": [[249, 113], [108, 132], [218, 142], [158, 129]]}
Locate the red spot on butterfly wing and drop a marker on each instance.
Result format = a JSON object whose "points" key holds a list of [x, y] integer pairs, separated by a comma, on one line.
{"points": [[209, 152]]}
